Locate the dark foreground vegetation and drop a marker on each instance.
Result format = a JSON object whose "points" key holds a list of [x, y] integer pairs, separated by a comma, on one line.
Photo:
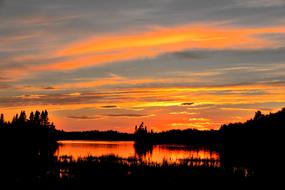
{"points": [[27, 148], [112, 171], [257, 145], [250, 153]]}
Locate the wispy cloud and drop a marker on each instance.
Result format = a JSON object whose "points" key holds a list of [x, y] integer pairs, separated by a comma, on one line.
{"points": [[120, 63], [84, 117], [130, 115], [118, 47], [187, 104], [260, 3], [109, 106], [182, 113], [122, 47]]}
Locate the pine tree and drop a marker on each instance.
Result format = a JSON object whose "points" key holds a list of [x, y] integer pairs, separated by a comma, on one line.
{"points": [[2, 118], [37, 118], [32, 118]]}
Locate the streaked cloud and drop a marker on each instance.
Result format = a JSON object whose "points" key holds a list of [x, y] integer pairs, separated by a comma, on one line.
{"points": [[84, 117], [118, 47], [170, 63], [109, 106], [260, 3], [187, 104], [182, 113], [123, 47], [130, 115]]}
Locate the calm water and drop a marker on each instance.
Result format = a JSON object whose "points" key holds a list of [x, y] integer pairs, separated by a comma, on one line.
{"points": [[126, 149]]}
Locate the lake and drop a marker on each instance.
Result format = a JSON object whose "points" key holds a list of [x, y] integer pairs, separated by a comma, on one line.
{"points": [[127, 149]]}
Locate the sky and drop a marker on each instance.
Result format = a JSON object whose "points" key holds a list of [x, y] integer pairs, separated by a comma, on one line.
{"points": [[173, 64]]}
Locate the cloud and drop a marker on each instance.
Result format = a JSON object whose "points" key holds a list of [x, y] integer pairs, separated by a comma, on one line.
{"points": [[182, 113], [112, 80], [249, 92], [187, 104], [4, 86], [31, 96], [149, 55], [49, 88], [277, 37], [260, 3], [101, 116], [120, 47], [149, 44], [133, 97], [2, 79], [131, 115], [190, 55], [198, 119], [74, 94], [84, 117], [109, 106]]}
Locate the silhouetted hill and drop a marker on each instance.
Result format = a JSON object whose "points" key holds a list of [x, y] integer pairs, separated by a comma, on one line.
{"points": [[260, 130], [266, 131], [271, 121], [257, 144]]}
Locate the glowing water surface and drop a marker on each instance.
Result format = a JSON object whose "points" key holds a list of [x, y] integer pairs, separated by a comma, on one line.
{"points": [[126, 149]]}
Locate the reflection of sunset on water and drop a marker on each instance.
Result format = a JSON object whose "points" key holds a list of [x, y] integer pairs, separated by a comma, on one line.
{"points": [[125, 149], [78, 149]]}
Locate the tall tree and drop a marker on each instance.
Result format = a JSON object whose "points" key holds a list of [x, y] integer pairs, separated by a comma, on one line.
{"points": [[2, 118], [44, 119], [37, 118], [2, 121], [22, 119], [258, 115], [32, 118]]}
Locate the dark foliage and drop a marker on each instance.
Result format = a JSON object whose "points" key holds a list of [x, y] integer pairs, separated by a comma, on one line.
{"points": [[258, 144], [27, 147], [114, 172], [250, 152], [95, 135], [255, 147]]}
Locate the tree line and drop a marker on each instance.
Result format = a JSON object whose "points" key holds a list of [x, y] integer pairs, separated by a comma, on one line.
{"points": [[35, 119]]}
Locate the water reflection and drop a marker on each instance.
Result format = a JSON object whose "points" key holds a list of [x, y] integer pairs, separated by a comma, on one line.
{"points": [[126, 149]]}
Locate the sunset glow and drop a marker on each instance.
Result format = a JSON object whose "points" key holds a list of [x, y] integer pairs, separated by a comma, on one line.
{"points": [[159, 64], [80, 149]]}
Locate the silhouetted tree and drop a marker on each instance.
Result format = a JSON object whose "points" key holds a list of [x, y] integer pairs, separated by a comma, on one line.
{"points": [[44, 119], [52, 126], [28, 147], [258, 116], [141, 132], [32, 116], [15, 120], [22, 119], [2, 119], [37, 118]]}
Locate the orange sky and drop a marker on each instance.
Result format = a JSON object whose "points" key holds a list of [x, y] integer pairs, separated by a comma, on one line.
{"points": [[93, 70]]}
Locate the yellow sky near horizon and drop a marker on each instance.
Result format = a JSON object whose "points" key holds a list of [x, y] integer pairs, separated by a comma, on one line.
{"points": [[172, 65]]}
